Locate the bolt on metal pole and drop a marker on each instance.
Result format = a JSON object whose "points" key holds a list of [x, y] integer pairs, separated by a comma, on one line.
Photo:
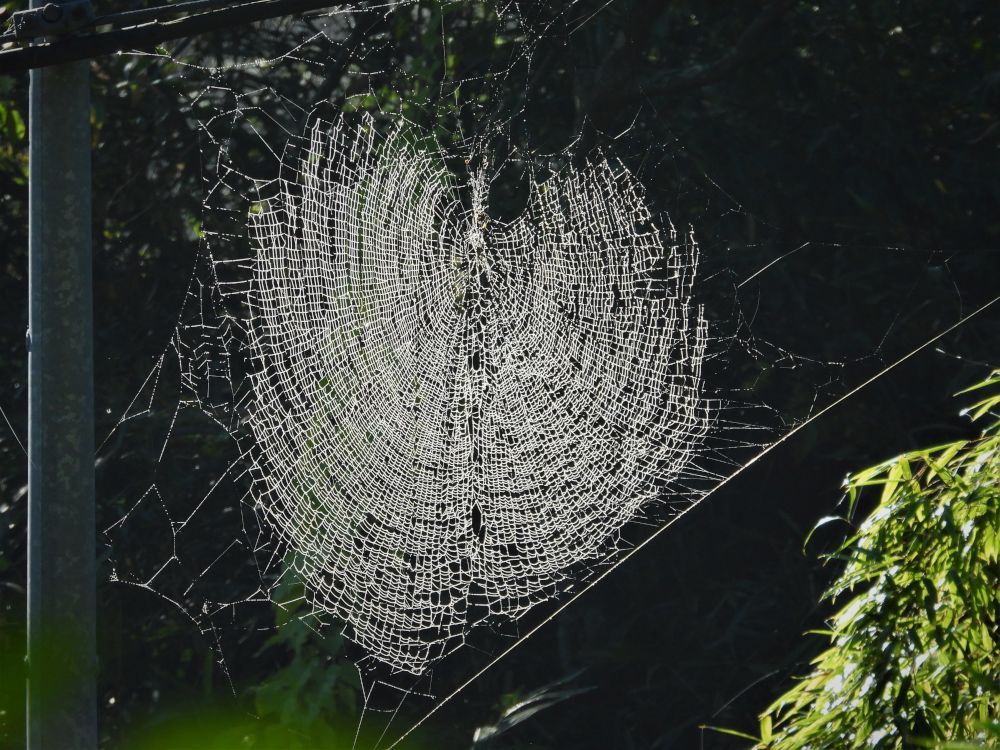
{"points": [[62, 658]]}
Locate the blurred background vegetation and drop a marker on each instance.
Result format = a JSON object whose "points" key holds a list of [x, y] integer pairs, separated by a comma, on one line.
{"points": [[866, 133]]}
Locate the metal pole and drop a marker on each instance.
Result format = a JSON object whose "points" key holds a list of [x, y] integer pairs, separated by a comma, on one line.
{"points": [[62, 658]]}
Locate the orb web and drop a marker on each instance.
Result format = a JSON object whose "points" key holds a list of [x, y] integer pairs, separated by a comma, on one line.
{"points": [[450, 411]]}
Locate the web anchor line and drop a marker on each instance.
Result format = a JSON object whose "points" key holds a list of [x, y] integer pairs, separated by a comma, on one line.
{"points": [[13, 432], [683, 512]]}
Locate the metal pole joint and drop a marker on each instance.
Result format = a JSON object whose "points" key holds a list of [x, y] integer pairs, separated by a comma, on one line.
{"points": [[52, 19]]}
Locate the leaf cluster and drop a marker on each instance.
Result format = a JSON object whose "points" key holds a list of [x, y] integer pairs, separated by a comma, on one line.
{"points": [[914, 653]]}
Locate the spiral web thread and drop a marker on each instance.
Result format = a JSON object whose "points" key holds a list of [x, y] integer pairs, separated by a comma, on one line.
{"points": [[450, 412]]}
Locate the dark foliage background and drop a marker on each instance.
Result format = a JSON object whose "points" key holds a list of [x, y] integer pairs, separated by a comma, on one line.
{"points": [[866, 133]]}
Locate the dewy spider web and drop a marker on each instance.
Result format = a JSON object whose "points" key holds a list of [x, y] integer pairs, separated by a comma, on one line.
{"points": [[454, 366], [452, 411]]}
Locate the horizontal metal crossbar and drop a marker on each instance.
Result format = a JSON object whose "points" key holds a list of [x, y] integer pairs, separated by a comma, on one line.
{"points": [[142, 29]]}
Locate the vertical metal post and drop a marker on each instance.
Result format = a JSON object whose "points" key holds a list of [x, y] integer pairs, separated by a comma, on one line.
{"points": [[62, 658]]}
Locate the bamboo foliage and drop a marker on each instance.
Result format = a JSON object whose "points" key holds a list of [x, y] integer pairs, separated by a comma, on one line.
{"points": [[914, 652]]}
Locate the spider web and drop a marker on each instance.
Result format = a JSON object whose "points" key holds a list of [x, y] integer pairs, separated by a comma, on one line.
{"points": [[449, 411], [456, 370]]}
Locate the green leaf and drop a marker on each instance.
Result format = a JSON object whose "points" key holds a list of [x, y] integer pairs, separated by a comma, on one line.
{"points": [[732, 732], [765, 728]]}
